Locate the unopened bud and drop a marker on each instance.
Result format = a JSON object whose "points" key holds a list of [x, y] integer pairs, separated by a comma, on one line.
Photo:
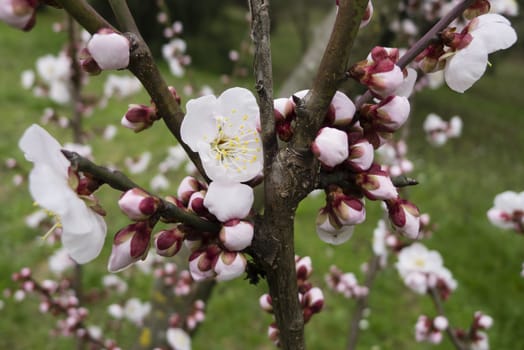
{"points": [[138, 205], [229, 265], [376, 184], [139, 117], [110, 50], [331, 146], [405, 217], [236, 235], [169, 242], [130, 245]]}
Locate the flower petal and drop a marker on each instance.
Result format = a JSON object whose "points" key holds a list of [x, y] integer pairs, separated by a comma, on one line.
{"points": [[199, 123], [85, 247], [40, 147], [495, 32], [50, 189], [229, 200], [466, 67], [240, 106]]}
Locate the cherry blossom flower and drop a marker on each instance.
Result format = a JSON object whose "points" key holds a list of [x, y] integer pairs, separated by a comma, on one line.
{"points": [[488, 33], [508, 211], [136, 311], [224, 132], [83, 230]]}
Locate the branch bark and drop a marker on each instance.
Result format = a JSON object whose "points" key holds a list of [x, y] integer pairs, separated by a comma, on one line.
{"points": [[440, 309]]}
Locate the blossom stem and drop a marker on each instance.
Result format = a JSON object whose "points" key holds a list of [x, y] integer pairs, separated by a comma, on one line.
{"points": [[123, 16], [423, 42], [362, 302], [120, 182], [437, 301]]}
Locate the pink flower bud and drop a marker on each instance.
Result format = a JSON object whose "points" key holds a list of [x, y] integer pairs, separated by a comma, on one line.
{"points": [[139, 117], [331, 234], [169, 242], [110, 50], [229, 200], [266, 303], [138, 205], [376, 184], [19, 13], [361, 154], [331, 146], [187, 187], [440, 323], [196, 204], [314, 299], [273, 334], [201, 263], [304, 267], [391, 113], [229, 265], [405, 217], [342, 108], [348, 209], [283, 109], [236, 235], [129, 245]]}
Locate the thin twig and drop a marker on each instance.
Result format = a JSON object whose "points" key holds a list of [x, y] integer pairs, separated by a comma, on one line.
{"points": [[123, 16], [85, 14], [433, 292], [362, 302]]}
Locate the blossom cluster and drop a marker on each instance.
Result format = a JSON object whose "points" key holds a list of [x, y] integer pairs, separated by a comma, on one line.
{"points": [[430, 329], [508, 211], [439, 131], [345, 283], [311, 298], [423, 270]]}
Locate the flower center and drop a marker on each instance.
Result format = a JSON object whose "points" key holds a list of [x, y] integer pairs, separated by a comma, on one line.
{"points": [[57, 224], [235, 152]]}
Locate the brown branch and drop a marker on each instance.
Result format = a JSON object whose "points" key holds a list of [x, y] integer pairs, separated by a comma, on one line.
{"points": [[362, 302], [84, 14], [331, 72], [433, 292], [423, 42], [260, 32], [120, 182], [123, 16]]}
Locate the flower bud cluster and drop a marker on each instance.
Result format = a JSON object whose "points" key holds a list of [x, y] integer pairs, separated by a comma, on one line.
{"points": [[429, 329], [105, 50], [59, 299], [345, 283], [476, 336], [439, 131], [193, 318], [311, 298]]}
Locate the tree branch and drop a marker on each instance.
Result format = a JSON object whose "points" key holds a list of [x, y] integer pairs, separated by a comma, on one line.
{"points": [[362, 302], [433, 292], [120, 182], [331, 72], [86, 15], [260, 32], [124, 17]]}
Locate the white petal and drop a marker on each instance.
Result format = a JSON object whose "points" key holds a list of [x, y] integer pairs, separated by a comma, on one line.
{"points": [[39, 146], [199, 124], [85, 247], [229, 200], [466, 66], [509, 201], [237, 103], [406, 88], [50, 189], [495, 32], [338, 237]]}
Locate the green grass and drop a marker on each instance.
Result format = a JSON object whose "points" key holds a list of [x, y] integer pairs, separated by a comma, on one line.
{"points": [[457, 184]]}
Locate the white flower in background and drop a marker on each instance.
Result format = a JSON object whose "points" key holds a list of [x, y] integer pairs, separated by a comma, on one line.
{"points": [[60, 261], [178, 339], [206, 90], [224, 132], [489, 33], [176, 156], [159, 182], [136, 311], [438, 131], [34, 219], [114, 282], [173, 53], [121, 86], [84, 150], [504, 7], [110, 132], [27, 79], [59, 92], [139, 164], [116, 311], [508, 211], [83, 230], [51, 68]]}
